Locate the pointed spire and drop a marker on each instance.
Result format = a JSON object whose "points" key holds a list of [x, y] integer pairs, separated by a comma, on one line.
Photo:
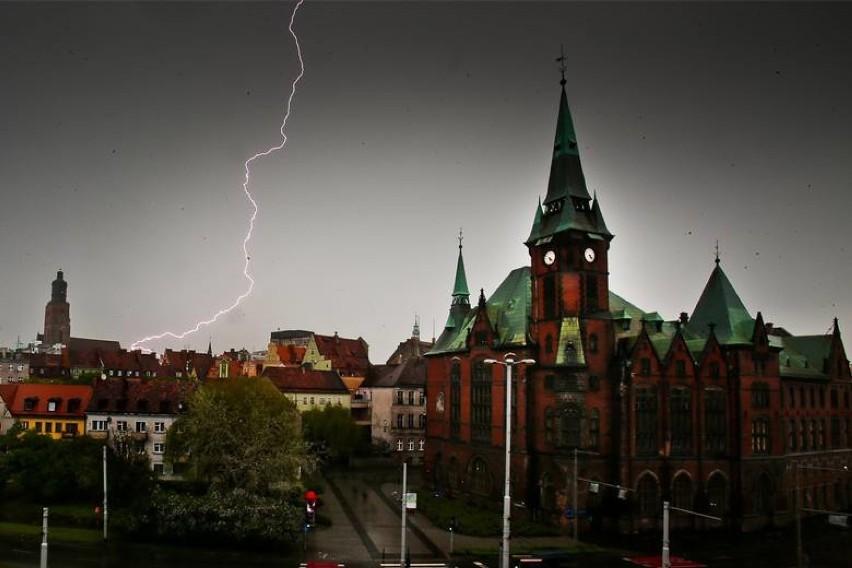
{"points": [[721, 305], [415, 333], [460, 305], [567, 205], [536, 227], [210, 347], [461, 295]]}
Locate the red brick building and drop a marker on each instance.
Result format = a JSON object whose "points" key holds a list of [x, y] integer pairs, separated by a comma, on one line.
{"points": [[714, 412]]}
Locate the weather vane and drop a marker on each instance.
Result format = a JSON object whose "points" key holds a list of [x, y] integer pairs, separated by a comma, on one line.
{"points": [[561, 60]]}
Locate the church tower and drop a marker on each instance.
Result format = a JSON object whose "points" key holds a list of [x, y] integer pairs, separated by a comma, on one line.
{"points": [[57, 318]]}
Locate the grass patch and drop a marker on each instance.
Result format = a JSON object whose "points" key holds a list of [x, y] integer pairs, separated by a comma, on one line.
{"points": [[64, 534], [474, 520]]}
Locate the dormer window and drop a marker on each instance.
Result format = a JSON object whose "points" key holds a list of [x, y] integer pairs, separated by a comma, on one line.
{"points": [[30, 403], [73, 404], [142, 405], [53, 404]]}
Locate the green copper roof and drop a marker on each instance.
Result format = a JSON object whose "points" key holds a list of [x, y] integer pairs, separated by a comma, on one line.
{"points": [[566, 174], [720, 305], [460, 291], [507, 310], [805, 356], [567, 205]]}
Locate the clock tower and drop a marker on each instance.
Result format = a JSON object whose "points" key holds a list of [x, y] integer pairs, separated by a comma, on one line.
{"points": [[568, 246]]}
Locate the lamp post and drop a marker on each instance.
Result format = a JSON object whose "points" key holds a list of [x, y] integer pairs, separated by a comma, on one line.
{"points": [[508, 362], [665, 557]]}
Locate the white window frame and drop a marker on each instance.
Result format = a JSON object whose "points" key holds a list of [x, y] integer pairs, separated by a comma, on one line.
{"points": [[159, 448]]}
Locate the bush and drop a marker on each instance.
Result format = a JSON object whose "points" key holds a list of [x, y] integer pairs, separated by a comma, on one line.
{"points": [[235, 518]]}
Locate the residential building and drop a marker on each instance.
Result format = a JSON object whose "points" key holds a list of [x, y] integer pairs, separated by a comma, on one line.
{"points": [[393, 398], [58, 411], [717, 412], [134, 414], [14, 366], [309, 388]]}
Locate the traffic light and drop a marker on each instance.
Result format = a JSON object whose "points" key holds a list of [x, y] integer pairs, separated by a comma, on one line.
{"points": [[310, 508]]}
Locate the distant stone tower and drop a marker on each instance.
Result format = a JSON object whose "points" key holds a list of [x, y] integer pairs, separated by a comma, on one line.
{"points": [[57, 316]]}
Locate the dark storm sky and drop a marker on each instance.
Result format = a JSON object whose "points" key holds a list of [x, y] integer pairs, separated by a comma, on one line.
{"points": [[126, 125]]}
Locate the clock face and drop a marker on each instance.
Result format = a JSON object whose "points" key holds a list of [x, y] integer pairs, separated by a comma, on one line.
{"points": [[549, 257], [589, 255]]}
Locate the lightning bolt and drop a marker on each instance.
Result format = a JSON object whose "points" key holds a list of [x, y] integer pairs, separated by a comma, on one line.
{"points": [[248, 164]]}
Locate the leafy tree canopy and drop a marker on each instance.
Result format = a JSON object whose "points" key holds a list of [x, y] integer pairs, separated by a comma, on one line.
{"points": [[333, 432], [239, 433]]}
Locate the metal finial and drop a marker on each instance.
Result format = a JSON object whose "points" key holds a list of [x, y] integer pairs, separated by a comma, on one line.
{"points": [[717, 252], [461, 238], [561, 60]]}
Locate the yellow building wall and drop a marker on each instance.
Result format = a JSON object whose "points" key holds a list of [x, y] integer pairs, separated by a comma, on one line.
{"points": [[320, 400], [56, 428]]}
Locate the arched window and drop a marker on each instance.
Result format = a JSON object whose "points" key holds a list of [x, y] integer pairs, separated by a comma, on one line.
{"points": [[715, 422], [645, 407], [480, 402], [594, 428], [682, 491], [680, 409], [762, 495], [480, 478], [455, 399], [648, 491], [717, 494], [760, 444], [568, 427], [547, 492]]}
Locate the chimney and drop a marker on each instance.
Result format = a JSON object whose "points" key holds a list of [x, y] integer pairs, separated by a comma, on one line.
{"points": [[684, 318]]}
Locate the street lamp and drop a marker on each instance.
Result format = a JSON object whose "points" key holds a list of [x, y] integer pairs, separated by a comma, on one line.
{"points": [[508, 362]]}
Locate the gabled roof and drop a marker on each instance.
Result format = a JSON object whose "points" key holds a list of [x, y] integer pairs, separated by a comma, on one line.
{"points": [[410, 373], [720, 306], [507, 310], [184, 362], [84, 344], [300, 379], [412, 347], [141, 396], [347, 356], [290, 354], [33, 400]]}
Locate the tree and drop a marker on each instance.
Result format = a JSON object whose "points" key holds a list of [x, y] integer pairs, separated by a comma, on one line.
{"points": [[333, 432], [239, 433]]}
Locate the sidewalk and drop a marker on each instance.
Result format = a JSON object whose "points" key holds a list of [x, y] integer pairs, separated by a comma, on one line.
{"points": [[367, 529]]}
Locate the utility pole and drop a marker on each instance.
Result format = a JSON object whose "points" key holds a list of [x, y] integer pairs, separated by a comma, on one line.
{"points": [[402, 501], [106, 513], [44, 538]]}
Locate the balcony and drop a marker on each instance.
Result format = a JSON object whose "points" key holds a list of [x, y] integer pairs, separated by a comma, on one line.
{"points": [[98, 434], [139, 436]]}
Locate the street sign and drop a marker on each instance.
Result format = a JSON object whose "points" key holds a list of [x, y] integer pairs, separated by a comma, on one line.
{"points": [[411, 500]]}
